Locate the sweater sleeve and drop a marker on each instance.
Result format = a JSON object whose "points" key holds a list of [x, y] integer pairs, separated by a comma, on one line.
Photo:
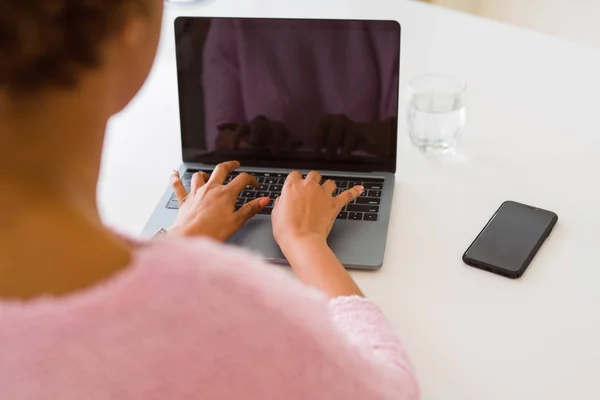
{"points": [[364, 324], [344, 349]]}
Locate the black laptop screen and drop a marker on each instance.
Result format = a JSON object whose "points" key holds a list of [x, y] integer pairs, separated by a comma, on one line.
{"points": [[310, 94]]}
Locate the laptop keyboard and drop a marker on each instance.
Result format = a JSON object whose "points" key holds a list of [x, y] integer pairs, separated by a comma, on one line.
{"points": [[364, 208]]}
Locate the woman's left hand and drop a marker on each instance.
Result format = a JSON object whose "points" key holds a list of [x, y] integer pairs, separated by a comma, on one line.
{"points": [[209, 208]]}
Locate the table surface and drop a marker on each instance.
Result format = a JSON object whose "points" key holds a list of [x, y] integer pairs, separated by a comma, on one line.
{"points": [[532, 136]]}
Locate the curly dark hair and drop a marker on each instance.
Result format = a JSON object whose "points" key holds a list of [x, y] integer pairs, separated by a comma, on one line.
{"points": [[48, 43]]}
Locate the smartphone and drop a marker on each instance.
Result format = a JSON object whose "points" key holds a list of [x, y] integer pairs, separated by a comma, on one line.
{"points": [[510, 239]]}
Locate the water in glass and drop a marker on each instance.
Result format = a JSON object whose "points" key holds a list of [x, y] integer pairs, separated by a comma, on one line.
{"points": [[436, 113]]}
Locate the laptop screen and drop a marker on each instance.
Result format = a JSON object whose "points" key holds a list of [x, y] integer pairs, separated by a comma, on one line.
{"points": [[286, 93]]}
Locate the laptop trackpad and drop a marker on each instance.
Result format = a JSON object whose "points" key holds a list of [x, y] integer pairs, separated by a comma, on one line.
{"points": [[356, 244], [257, 236]]}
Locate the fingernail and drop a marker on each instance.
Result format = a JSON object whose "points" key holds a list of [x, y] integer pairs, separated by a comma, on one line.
{"points": [[360, 189], [264, 201], [175, 172]]}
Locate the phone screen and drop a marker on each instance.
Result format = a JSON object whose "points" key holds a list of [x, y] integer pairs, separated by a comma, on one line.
{"points": [[511, 238]]}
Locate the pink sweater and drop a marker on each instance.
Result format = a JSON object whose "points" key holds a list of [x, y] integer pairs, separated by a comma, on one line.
{"points": [[191, 319]]}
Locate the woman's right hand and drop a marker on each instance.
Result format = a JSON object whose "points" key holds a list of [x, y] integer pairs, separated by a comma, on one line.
{"points": [[306, 209], [302, 219]]}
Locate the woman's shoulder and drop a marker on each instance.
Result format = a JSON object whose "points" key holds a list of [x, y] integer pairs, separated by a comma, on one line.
{"points": [[201, 258], [174, 273], [214, 269], [203, 285]]}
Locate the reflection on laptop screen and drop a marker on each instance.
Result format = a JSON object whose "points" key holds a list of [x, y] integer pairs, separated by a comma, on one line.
{"points": [[287, 93]]}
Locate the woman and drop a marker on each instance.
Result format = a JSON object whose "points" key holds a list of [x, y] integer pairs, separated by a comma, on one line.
{"points": [[85, 314], [320, 85]]}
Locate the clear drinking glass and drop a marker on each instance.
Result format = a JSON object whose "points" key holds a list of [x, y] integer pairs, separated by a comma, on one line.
{"points": [[436, 112]]}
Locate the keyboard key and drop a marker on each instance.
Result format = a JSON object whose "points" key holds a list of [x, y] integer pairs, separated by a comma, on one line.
{"points": [[266, 211], [271, 181], [361, 208], [248, 194], [354, 183], [374, 193], [372, 201], [341, 184], [173, 204], [370, 217], [260, 179], [262, 194], [240, 201], [375, 180], [373, 186], [354, 216], [364, 193], [275, 188], [342, 215], [274, 195], [264, 187]]}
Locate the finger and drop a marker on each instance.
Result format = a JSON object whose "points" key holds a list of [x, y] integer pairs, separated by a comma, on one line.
{"points": [[281, 135], [198, 180], [241, 132], [296, 144], [350, 141], [240, 182], [330, 186], [178, 187], [293, 176], [229, 126], [348, 195], [222, 171], [314, 176], [336, 135], [321, 134], [259, 132], [252, 208]]}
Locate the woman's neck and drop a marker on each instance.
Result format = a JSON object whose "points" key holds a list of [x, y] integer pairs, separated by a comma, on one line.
{"points": [[51, 236], [51, 248]]}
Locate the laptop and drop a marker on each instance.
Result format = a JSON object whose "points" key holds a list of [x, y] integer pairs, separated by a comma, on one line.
{"points": [[292, 94]]}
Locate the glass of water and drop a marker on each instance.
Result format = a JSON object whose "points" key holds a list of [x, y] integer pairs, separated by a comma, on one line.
{"points": [[436, 112]]}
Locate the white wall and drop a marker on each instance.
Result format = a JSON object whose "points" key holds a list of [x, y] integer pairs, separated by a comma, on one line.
{"points": [[463, 5], [572, 19]]}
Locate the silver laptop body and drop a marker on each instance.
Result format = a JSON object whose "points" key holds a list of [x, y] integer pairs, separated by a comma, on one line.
{"points": [[281, 95]]}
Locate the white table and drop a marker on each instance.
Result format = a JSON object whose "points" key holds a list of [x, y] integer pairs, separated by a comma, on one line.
{"points": [[533, 135]]}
